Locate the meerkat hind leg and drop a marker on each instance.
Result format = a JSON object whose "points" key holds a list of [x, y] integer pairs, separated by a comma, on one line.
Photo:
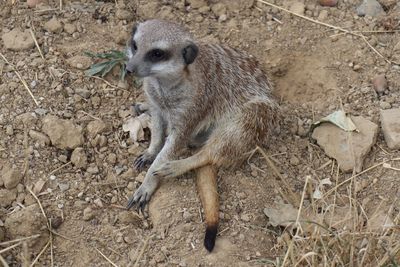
{"points": [[175, 168]]}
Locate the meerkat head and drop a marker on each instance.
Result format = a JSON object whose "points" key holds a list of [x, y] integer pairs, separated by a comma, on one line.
{"points": [[160, 49]]}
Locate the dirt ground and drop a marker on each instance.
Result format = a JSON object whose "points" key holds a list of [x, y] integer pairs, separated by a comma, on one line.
{"points": [[316, 70]]}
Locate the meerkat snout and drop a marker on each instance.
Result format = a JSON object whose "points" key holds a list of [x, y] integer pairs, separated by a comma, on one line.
{"points": [[151, 54]]}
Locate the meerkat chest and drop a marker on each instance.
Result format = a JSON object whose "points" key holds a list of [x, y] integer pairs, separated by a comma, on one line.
{"points": [[167, 98]]}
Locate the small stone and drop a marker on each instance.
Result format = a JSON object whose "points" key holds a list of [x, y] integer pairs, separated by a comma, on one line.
{"points": [[17, 40], [120, 37], [63, 186], [9, 130], [370, 8], [380, 83], [39, 137], [323, 15], [7, 197], [83, 92], [63, 158], [131, 186], [129, 217], [124, 14], [79, 158], [96, 127], [329, 3], [53, 25], [98, 202], [219, 9], [245, 217], [384, 105], [298, 7], [41, 111], [294, 161], [88, 214], [391, 127], [69, 28], [356, 67], [140, 177], [187, 216], [93, 169], [197, 3], [79, 62], [349, 154], [11, 177], [33, 3]]}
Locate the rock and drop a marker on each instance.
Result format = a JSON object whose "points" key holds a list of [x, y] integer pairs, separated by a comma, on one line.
{"points": [[33, 3], [380, 83], [88, 214], [64, 134], [17, 40], [98, 202], [370, 8], [63, 186], [26, 119], [39, 137], [85, 93], [218, 9], [391, 127], [69, 28], [384, 105], [124, 14], [120, 37], [53, 25], [329, 3], [79, 158], [27, 222], [93, 169], [7, 197], [79, 62], [197, 3], [11, 177], [96, 127], [129, 217], [298, 8], [335, 142]]}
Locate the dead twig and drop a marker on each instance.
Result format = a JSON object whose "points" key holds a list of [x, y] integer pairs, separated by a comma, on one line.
{"points": [[40, 254], [21, 79], [36, 43], [146, 242], [3, 261], [105, 257], [5, 243], [10, 247]]}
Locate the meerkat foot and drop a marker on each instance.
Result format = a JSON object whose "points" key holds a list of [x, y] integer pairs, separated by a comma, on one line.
{"points": [[170, 169], [141, 197], [142, 161], [139, 108]]}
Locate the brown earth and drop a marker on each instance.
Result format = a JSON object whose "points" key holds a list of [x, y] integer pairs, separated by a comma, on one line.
{"points": [[316, 70]]}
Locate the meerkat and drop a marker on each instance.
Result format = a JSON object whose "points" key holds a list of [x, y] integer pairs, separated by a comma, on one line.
{"points": [[212, 98]]}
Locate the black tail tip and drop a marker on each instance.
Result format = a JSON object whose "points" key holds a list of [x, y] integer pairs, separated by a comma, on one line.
{"points": [[211, 235]]}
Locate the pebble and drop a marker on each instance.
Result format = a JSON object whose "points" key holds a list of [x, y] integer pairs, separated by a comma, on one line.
{"points": [[69, 28], [88, 214], [128, 217], [17, 40], [298, 7], [124, 14], [323, 15], [379, 83], [53, 25], [7, 197], [294, 161], [79, 62], [63, 186], [39, 137], [329, 3], [391, 127], [370, 8], [93, 169], [83, 92], [384, 105], [96, 127], [245, 217], [98, 202], [79, 158], [10, 176]]}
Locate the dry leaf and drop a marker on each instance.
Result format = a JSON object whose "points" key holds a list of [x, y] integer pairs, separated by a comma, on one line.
{"points": [[340, 218], [317, 193], [340, 119], [380, 221], [136, 125], [38, 186]]}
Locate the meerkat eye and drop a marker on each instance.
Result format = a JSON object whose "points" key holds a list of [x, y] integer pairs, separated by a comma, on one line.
{"points": [[134, 46], [157, 55]]}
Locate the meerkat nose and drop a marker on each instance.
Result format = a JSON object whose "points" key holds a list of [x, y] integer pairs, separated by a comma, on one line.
{"points": [[131, 68]]}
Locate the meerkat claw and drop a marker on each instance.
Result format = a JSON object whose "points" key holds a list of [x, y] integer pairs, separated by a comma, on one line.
{"points": [[141, 162]]}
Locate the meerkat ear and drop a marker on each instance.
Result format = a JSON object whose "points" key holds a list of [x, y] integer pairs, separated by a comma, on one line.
{"points": [[134, 28], [189, 53]]}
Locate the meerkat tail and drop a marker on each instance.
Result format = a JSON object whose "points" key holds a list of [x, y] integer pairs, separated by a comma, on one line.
{"points": [[206, 181]]}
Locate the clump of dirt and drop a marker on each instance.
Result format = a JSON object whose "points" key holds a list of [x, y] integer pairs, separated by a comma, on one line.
{"points": [[65, 140]]}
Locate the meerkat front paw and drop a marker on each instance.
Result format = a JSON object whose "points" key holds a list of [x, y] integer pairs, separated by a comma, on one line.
{"points": [[170, 169], [141, 197], [143, 160]]}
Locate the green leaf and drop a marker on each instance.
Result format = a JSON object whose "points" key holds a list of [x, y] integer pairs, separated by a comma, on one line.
{"points": [[96, 68]]}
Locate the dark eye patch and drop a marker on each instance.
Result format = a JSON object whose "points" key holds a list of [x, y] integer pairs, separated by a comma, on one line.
{"points": [[133, 45], [157, 55]]}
